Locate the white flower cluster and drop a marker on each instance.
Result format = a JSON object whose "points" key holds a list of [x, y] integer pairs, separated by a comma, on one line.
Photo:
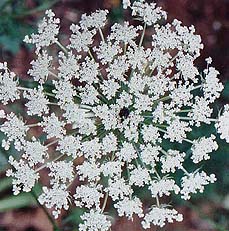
{"points": [[113, 104]]}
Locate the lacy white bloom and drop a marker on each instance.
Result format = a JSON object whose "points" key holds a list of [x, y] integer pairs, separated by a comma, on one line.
{"points": [[139, 177], [149, 154], [109, 88], [202, 147], [158, 216], [110, 109], [38, 102], [89, 170], [106, 51], [79, 118], [124, 33], [87, 196], [35, 152], [212, 87], [68, 66], [92, 149], [187, 69], [223, 124], [2, 114], [48, 29], [149, 12], [127, 152], [118, 189], [8, 85], [193, 182], [24, 177], [89, 71], [171, 160], [150, 134], [61, 172], [201, 111], [137, 58], [70, 146], [64, 92], [95, 20], [15, 130], [125, 3], [89, 95], [128, 207], [53, 127], [163, 187], [56, 197], [94, 221], [112, 168], [80, 39], [117, 69], [110, 143], [40, 67], [176, 131]]}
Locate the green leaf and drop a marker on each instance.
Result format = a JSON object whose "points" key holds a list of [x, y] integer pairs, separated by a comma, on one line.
{"points": [[9, 43], [15, 202], [5, 183]]}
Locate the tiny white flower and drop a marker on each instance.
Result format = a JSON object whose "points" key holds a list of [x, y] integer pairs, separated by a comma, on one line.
{"points": [[158, 216], [94, 220], [48, 29], [128, 207], [222, 124], [53, 126], [195, 182]]}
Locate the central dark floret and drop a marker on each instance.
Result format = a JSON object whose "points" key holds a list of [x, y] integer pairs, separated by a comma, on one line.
{"points": [[124, 113]]}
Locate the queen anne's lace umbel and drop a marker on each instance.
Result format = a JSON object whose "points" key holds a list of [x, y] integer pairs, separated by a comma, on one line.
{"points": [[113, 104]]}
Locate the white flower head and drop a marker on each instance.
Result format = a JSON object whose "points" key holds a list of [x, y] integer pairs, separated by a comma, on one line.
{"points": [[96, 20], [149, 12], [8, 85], [201, 148], [195, 182], [128, 207], [15, 130], [24, 177], [114, 111], [34, 152], [88, 196], [222, 125], [53, 126], [126, 3], [40, 67], [38, 102], [158, 216], [163, 187], [56, 197], [48, 30], [94, 220]]}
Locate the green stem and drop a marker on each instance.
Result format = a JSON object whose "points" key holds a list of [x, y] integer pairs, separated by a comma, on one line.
{"points": [[143, 34], [62, 47], [53, 74], [101, 35], [184, 170], [104, 202]]}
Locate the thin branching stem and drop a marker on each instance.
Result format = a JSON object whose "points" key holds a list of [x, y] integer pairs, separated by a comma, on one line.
{"points": [[101, 35], [62, 47], [143, 34], [104, 202]]}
